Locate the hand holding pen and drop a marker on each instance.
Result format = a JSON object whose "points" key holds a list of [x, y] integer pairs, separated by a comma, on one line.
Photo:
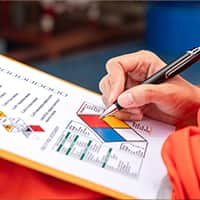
{"points": [[172, 100]]}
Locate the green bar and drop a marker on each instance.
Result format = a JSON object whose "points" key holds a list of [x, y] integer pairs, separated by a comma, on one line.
{"points": [[63, 141], [106, 158], [72, 144], [85, 150]]}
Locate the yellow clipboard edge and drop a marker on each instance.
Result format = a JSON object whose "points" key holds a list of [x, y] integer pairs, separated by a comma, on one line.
{"points": [[51, 171], [62, 175]]}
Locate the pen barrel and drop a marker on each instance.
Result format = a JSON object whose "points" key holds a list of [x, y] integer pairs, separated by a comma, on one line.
{"points": [[174, 67], [157, 78], [180, 68]]}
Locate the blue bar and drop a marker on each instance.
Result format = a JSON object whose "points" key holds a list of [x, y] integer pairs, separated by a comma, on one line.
{"points": [[109, 135]]}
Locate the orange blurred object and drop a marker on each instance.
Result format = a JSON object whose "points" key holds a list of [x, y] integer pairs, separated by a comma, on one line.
{"points": [[181, 156]]}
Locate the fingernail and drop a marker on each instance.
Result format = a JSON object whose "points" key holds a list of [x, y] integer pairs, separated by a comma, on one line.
{"points": [[126, 100]]}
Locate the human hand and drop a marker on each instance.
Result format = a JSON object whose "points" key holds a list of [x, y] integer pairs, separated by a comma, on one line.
{"points": [[173, 101]]}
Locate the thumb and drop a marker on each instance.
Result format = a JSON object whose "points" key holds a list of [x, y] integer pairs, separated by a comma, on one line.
{"points": [[141, 95]]}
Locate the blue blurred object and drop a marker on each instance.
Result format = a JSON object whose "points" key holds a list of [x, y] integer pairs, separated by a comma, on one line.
{"points": [[172, 27], [87, 68]]}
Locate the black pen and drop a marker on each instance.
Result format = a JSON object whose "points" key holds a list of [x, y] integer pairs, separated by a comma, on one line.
{"points": [[165, 73]]}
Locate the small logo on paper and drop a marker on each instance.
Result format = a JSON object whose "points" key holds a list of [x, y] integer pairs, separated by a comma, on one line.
{"points": [[15, 124]]}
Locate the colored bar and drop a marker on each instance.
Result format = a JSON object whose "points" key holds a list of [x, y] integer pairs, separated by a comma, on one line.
{"points": [[109, 135], [106, 158], [63, 141], [115, 123], [85, 150], [72, 144], [36, 128], [94, 121]]}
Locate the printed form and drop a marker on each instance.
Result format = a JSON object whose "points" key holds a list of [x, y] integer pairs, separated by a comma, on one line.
{"points": [[56, 124]]}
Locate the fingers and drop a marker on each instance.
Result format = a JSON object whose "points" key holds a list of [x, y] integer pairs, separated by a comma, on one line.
{"points": [[124, 71], [113, 83], [105, 88], [135, 114], [139, 64], [141, 95]]}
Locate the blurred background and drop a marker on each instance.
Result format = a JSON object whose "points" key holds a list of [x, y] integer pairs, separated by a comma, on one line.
{"points": [[73, 39]]}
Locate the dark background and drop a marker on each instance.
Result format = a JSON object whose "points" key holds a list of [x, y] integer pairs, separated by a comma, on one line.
{"points": [[74, 39]]}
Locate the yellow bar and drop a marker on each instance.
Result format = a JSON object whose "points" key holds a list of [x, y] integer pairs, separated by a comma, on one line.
{"points": [[115, 123]]}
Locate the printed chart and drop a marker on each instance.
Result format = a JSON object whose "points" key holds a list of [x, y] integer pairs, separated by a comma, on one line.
{"points": [[108, 143], [113, 131], [94, 152]]}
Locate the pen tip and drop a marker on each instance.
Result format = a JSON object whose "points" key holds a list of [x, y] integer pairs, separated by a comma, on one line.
{"points": [[109, 111], [101, 116]]}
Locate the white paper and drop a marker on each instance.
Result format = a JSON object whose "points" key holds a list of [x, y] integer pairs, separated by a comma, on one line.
{"points": [[55, 123]]}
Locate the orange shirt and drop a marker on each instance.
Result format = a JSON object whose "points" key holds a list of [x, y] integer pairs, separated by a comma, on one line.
{"points": [[20, 183], [181, 154]]}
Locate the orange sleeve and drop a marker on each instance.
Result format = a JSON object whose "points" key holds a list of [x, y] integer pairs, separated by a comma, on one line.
{"points": [[181, 156], [21, 183]]}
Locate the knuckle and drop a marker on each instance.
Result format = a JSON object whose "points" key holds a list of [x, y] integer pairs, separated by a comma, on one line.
{"points": [[101, 84], [109, 63], [146, 52]]}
